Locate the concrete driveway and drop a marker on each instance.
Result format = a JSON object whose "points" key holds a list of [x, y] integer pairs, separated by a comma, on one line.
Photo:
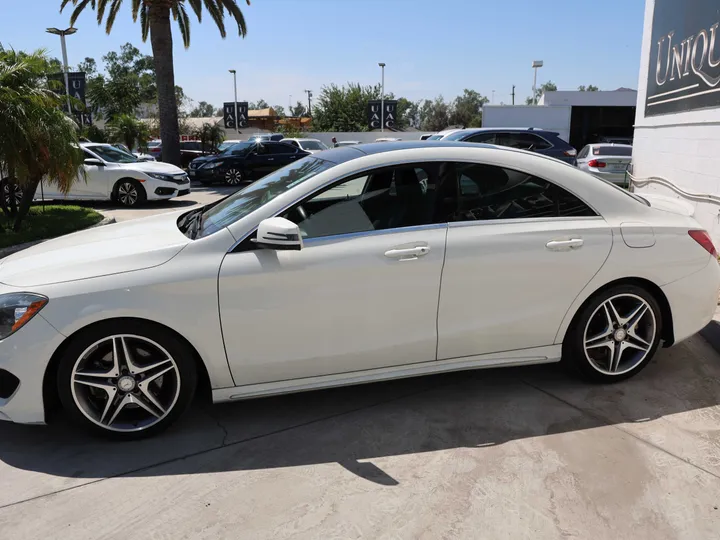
{"points": [[500, 454], [199, 195]]}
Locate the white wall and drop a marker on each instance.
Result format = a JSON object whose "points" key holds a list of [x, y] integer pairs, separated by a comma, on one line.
{"points": [[550, 118], [683, 148], [621, 98]]}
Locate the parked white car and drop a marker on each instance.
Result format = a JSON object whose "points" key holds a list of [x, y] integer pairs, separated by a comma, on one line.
{"points": [[608, 161], [140, 155], [113, 174], [351, 266], [309, 145]]}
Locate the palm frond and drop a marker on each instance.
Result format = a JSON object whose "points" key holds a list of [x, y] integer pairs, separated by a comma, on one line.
{"points": [[102, 5], [136, 5], [217, 15], [181, 16], [111, 16], [80, 5], [233, 8], [144, 23], [196, 6]]}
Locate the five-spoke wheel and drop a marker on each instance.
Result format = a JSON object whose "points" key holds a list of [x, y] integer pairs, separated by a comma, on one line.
{"points": [[615, 335], [125, 382]]}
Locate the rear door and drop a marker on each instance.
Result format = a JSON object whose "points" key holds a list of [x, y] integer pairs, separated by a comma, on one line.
{"points": [[282, 154], [519, 250]]}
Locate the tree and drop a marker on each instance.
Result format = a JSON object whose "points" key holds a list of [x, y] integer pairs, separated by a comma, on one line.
{"points": [[37, 140], [408, 113], [261, 104], [279, 110], [467, 109], [434, 115], [343, 108], [589, 88], [155, 18], [128, 130], [298, 109], [203, 110], [546, 87]]}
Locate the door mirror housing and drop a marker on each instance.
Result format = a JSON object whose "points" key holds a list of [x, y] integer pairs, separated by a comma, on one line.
{"points": [[278, 233], [94, 161]]}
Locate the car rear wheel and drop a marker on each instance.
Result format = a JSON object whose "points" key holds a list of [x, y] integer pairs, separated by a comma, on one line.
{"points": [[126, 380], [10, 191], [234, 177], [615, 335], [130, 193]]}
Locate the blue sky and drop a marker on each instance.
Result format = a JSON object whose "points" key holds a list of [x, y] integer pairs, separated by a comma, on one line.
{"points": [[431, 47]]}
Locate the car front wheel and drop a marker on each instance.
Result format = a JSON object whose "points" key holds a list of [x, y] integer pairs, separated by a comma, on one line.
{"points": [[615, 335], [234, 177], [126, 380], [130, 193]]}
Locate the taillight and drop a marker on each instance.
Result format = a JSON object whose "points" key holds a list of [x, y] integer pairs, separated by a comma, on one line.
{"points": [[703, 238], [595, 163], [570, 153]]}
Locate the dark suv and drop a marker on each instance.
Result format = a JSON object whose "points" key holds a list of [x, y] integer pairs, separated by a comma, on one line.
{"points": [[244, 162], [547, 143]]}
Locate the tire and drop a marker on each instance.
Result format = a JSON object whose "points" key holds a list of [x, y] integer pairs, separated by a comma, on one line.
{"points": [[234, 177], [125, 400], [615, 334], [129, 192]]}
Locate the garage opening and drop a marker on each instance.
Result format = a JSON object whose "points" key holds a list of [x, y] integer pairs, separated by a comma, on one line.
{"points": [[592, 124]]}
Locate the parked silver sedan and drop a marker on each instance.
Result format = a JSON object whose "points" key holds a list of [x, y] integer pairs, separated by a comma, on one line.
{"points": [[605, 160]]}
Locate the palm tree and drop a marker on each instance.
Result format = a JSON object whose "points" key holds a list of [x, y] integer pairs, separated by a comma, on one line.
{"points": [[154, 18], [37, 140], [210, 136], [128, 130]]}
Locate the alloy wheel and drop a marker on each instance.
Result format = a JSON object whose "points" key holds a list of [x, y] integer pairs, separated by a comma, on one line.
{"points": [[233, 177], [125, 383], [127, 193], [12, 190], [619, 334]]}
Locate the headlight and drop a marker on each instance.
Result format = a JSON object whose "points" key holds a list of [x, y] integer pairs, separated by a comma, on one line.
{"points": [[160, 176], [16, 310], [212, 165]]}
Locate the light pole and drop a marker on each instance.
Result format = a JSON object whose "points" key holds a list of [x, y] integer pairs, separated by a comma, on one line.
{"points": [[62, 33], [536, 64], [237, 120], [382, 97], [290, 104], [493, 98], [309, 93]]}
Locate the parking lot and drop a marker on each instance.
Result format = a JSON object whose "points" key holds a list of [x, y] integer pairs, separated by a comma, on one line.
{"points": [[514, 453]]}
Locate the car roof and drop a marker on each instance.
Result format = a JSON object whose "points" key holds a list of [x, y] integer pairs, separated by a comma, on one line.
{"points": [[346, 153], [617, 145], [299, 139]]}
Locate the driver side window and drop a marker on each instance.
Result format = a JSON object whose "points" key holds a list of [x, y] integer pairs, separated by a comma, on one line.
{"points": [[387, 198]]}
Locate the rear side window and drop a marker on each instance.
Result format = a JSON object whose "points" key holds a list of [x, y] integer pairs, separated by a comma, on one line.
{"points": [[281, 148], [487, 138], [523, 141], [612, 151], [487, 192]]}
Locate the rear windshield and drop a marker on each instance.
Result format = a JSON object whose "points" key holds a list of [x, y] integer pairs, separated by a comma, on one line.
{"points": [[435, 138], [612, 151]]}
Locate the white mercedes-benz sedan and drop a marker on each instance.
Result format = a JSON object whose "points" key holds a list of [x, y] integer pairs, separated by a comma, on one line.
{"points": [[361, 264]]}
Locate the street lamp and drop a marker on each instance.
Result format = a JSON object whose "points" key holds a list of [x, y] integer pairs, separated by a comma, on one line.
{"points": [[382, 97], [309, 93], [237, 120], [536, 64], [62, 33]]}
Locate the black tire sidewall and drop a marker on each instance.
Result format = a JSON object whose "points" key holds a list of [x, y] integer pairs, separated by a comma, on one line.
{"points": [[142, 194], [181, 354], [573, 353]]}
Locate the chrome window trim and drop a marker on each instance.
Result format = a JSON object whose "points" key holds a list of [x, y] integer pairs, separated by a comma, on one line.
{"points": [[470, 223], [346, 236]]}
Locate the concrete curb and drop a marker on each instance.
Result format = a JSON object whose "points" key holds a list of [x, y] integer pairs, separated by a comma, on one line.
{"points": [[711, 334], [4, 252]]}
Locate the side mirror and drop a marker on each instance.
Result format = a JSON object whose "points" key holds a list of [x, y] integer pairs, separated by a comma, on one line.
{"points": [[278, 233], [93, 161]]}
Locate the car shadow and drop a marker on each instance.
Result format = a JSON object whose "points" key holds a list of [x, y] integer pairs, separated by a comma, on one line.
{"points": [[353, 426]]}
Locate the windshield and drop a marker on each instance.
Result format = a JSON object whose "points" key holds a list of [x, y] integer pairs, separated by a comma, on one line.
{"points": [[454, 136], [312, 145], [612, 151], [242, 148], [112, 154], [245, 201], [224, 146], [435, 138]]}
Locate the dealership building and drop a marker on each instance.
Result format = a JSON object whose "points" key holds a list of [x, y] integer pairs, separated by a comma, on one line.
{"points": [[676, 148]]}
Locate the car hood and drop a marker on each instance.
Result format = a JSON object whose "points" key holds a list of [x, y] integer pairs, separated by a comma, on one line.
{"points": [[151, 166], [101, 251], [210, 157]]}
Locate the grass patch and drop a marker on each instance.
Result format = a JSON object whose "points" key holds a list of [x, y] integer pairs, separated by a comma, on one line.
{"points": [[53, 221]]}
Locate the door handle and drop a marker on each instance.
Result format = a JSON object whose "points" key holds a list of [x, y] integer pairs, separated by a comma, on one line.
{"points": [[407, 254], [271, 159], [565, 245]]}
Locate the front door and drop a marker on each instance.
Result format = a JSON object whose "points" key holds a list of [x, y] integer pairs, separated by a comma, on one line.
{"points": [[518, 253], [361, 294]]}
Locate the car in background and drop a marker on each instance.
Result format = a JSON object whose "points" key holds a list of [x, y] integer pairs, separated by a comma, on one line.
{"points": [[227, 143], [426, 136], [116, 175], [309, 145], [346, 143], [264, 137], [616, 140], [140, 155], [190, 150], [154, 148], [244, 162], [547, 143], [606, 161], [388, 139]]}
